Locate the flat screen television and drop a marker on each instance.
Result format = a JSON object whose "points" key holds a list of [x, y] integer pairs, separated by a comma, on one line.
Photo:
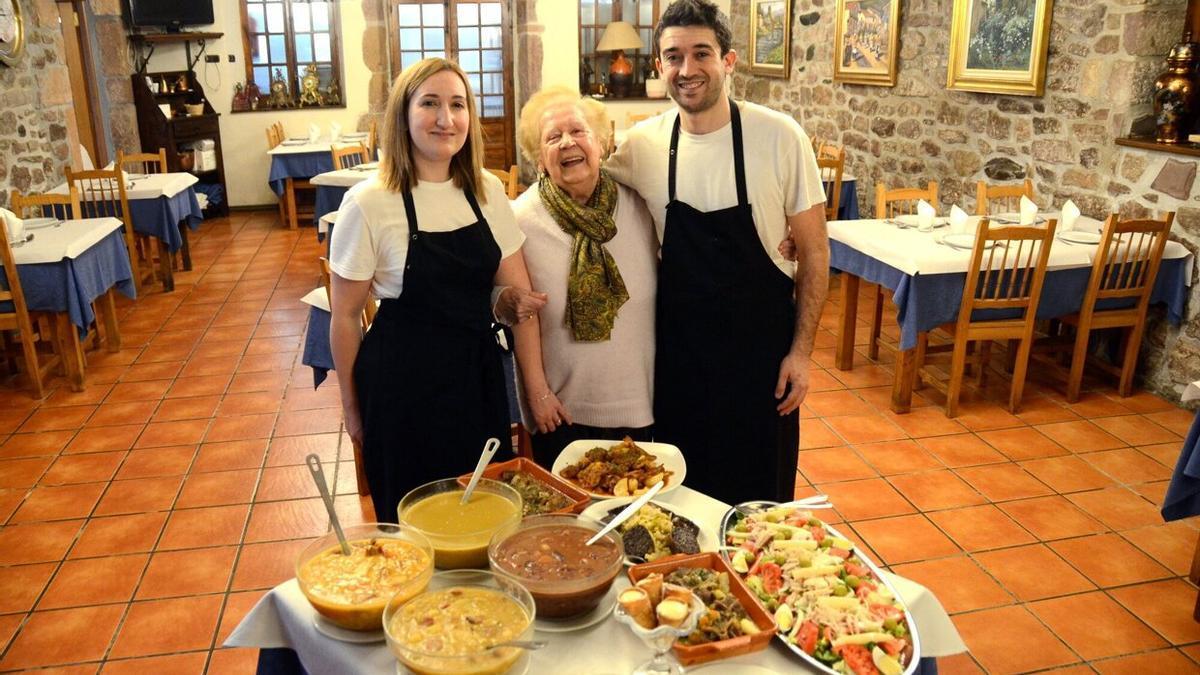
{"points": [[170, 15]]}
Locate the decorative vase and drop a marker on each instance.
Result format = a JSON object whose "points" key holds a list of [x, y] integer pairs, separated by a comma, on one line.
{"points": [[656, 88], [1175, 93], [620, 75]]}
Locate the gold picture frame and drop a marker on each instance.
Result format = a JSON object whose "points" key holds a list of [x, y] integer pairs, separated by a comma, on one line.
{"points": [[866, 42], [999, 48], [771, 37], [12, 32]]}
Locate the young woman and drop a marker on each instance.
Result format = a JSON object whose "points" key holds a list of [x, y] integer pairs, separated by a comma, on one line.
{"points": [[430, 237]]}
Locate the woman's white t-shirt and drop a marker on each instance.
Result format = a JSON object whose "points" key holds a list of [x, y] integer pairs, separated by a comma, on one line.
{"points": [[370, 236]]}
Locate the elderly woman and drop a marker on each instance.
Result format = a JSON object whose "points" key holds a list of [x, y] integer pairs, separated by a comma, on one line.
{"points": [[430, 236], [588, 371]]}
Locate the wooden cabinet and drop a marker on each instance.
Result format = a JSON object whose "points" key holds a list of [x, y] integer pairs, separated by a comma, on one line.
{"points": [[177, 89]]}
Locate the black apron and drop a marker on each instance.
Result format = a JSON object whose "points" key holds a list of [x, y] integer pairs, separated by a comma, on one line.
{"points": [[428, 374], [725, 320]]}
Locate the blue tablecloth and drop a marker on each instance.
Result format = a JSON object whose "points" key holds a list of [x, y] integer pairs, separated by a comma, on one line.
{"points": [[297, 165], [328, 200], [848, 201], [925, 302], [319, 357], [157, 217], [1183, 494], [71, 284]]}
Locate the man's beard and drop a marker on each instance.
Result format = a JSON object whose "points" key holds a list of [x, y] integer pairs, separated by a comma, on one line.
{"points": [[711, 97]]}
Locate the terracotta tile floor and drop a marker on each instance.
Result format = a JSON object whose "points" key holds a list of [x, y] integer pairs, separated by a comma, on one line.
{"points": [[142, 518]]}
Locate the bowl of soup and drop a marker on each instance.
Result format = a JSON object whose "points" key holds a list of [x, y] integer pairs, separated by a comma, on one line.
{"points": [[460, 533], [454, 625], [386, 561], [549, 555]]}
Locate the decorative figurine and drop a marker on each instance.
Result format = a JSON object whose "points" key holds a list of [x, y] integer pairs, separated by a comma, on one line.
{"points": [[310, 92], [333, 95], [253, 94], [240, 102], [181, 83], [279, 97]]}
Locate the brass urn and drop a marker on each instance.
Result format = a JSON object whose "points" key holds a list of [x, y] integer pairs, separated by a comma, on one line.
{"points": [[1175, 93]]}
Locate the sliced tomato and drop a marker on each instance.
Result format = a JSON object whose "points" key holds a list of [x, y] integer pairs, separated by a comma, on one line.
{"points": [[892, 647], [865, 588], [838, 552], [857, 570], [772, 576], [884, 611], [858, 659], [807, 638], [818, 533]]}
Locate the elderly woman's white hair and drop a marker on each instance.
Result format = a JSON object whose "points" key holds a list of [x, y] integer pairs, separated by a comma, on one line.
{"points": [[529, 133]]}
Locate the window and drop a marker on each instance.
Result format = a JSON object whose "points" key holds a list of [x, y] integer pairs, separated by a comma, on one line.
{"points": [[594, 15], [289, 35], [475, 34]]}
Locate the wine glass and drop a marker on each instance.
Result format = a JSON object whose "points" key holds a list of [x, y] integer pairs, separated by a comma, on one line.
{"points": [[661, 639]]}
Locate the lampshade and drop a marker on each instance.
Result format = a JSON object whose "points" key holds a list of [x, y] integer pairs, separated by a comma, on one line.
{"points": [[619, 35]]}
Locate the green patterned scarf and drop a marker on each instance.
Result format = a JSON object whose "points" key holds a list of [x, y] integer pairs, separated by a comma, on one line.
{"points": [[595, 290]]}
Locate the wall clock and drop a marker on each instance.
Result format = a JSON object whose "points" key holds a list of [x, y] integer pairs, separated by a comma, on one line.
{"points": [[12, 32]]}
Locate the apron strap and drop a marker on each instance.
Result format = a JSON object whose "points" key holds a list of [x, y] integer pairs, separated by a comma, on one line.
{"points": [[410, 212], [739, 159], [474, 205]]}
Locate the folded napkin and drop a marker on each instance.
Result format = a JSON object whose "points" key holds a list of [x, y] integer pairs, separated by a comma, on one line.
{"points": [[335, 131], [925, 216], [1028, 211], [14, 225], [1070, 213], [314, 132], [958, 220]]}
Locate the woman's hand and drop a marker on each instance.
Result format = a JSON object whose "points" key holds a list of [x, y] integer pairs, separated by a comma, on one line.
{"points": [[548, 412], [515, 305]]}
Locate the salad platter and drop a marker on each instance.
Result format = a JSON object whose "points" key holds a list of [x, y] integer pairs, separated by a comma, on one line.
{"points": [[831, 603]]}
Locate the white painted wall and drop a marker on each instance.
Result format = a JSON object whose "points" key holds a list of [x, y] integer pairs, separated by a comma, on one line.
{"points": [[243, 135]]}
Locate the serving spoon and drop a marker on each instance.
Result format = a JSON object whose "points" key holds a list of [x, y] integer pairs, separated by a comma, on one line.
{"points": [[627, 513], [489, 450], [521, 644], [318, 474]]}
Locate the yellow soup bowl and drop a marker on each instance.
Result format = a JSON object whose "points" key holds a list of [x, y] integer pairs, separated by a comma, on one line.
{"points": [[460, 533]]}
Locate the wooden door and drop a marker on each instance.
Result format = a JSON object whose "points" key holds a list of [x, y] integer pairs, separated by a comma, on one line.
{"points": [[477, 34], [83, 77]]}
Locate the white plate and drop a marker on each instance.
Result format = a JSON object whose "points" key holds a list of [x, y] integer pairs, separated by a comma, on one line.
{"points": [[291, 142], [331, 630], [356, 134], [598, 510], [731, 669], [38, 223], [963, 240], [519, 668], [913, 220], [668, 455], [542, 624], [1076, 236]]}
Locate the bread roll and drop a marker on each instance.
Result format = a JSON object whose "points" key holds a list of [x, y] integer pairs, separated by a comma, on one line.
{"points": [[636, 604], [653, 585], [681, 593], [672, 613]]}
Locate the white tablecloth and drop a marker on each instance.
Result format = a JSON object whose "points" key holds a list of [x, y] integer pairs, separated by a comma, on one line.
{"points": [[346, 177], [147, 186], [322, 144], [52, 244], [1192, 392], [283, 618], [915, 252]]}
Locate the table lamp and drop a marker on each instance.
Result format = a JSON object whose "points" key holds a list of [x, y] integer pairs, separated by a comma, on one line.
{"points": [[617, 37]]}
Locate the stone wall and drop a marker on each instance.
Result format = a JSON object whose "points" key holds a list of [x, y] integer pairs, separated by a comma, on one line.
{"points": [[1103, 58], [37, 123], [112, 55]]}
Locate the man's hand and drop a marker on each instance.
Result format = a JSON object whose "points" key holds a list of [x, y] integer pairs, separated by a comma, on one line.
{"points": [[515, 305], [793, 380]]}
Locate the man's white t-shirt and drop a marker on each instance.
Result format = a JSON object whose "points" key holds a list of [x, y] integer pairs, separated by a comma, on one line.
{"points": [[782, 178], [370, 236]]}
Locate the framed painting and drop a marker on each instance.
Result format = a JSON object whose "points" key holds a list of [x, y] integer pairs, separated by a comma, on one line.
{"points": [[866, 41], [771, 37], [999, 46]]}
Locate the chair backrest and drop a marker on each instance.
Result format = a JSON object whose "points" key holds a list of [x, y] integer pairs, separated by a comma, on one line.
{"points": [[828, 150], [14, 314], [278, 127], [143, 162], [1127, 260], [1001, 198], [102, 195], [1008, 275], [902, 201], [831, 169], [59, 205], [349, 156], [273, 137], [509, 178]]}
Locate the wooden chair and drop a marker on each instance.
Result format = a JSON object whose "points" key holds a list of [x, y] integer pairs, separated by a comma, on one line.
{"points": [[273, 138], [349, 156], [889, 204], [278, 127], [36, 327], [1007, 277], [509, 178], [831, 169], [360, 474], [828, 150], [287, 201], [1001, 198], [373, 141], [143, 162], [102, 194], [1118, 294]]}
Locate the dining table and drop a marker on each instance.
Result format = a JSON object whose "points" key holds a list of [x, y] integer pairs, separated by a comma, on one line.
{"points": [[925, 275], [163, 206], [66, 268], [331, 187], [282, 624], [297, 159]]}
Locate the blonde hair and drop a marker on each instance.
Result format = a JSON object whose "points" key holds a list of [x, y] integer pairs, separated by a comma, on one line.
{"points": [[529, 134], [396, 167]]}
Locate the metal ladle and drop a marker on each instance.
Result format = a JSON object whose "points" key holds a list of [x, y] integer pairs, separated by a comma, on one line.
{"points": [[318, 474]]}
